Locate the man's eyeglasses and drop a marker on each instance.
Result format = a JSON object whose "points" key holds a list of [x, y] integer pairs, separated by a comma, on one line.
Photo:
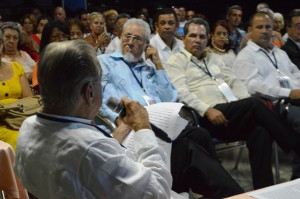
{"points": [[79, 34], [296, 26], [135, 39]]}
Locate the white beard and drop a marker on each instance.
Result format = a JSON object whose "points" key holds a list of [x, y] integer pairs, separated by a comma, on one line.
{"points": [[129, 57]]}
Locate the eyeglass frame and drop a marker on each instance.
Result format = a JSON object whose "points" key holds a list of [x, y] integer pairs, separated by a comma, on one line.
{"points": [[58, 36], [135, 38]]}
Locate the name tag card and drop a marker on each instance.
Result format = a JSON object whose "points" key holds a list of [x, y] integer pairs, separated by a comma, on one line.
{"points": [[226, 90]]}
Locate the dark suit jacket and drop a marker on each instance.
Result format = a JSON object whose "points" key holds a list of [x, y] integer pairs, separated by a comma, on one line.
{"points": [[293, 51]]}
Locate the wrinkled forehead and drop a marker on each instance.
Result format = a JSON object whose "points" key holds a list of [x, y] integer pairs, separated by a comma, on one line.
{"points": [[134, 29]]}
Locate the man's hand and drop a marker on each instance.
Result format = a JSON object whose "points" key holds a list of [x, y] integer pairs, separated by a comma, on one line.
{"points": [[121, 132], [136, 115], [215, 116], [295, 94], [152, 53]]}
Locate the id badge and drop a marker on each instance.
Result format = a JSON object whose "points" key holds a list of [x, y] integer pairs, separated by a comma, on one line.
{"points": [[284, 81], [148, 100], [226, 90]]}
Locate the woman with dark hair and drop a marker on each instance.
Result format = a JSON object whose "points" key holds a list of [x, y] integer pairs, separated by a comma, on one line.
{"points": [[29, 42], [54, 31], [219, 42], [76, 29], [29, 23], [41, 22]]}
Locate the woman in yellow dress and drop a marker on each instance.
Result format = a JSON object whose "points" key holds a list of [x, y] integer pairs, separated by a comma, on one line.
{"points": [[13, 86]]}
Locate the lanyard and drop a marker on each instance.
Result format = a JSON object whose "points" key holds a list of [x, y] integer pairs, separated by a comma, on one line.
{"points": [[134, 75], [205, 71], [274, 63], [63, 120]]}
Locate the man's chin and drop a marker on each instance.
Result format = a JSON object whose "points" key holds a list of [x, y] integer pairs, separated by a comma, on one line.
{"points": [[129, 57]]}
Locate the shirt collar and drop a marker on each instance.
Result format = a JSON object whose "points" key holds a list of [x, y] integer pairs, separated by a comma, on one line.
{"points": [[258, 48], [192, 57], [297, 43], [117, 56], [75, 119]]}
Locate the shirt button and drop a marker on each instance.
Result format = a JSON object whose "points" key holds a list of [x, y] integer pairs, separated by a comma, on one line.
{"points": [[6, 94], [3, 83]]}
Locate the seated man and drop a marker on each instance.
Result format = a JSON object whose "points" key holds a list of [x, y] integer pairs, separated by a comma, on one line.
{"points": [[271, 74], [204, 82], [60, 154], [127, 74], [292, 45], [164, 40]]}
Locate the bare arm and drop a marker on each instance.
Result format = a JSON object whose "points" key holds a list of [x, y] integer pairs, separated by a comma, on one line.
{"points": [[26, 90]]}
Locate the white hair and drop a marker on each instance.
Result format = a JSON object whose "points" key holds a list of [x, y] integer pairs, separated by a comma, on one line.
{"points": [[141, 23]]}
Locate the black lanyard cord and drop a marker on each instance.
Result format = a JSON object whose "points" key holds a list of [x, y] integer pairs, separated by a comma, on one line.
{"points": [[274, 63]]}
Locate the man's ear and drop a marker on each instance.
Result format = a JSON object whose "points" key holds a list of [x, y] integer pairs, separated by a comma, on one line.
{"points": [[249, 29], [88, 93]]}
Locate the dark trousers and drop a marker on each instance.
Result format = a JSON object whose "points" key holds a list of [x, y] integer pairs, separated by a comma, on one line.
{"points": [[292, 118], [194, 165], [250, 120]]}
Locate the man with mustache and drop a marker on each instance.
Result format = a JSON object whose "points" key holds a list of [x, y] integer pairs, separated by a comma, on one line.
{"points": [[204, 82], [268, 72], [164, 40], [194, 164]]}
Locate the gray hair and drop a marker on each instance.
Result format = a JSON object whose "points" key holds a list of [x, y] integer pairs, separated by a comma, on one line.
{"points": [[63, 69], [14, 26], [279, 16], [197, 21], [140, 22]]}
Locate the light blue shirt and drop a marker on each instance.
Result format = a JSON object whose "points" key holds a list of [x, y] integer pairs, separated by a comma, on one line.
{"points": [[118, 81]]}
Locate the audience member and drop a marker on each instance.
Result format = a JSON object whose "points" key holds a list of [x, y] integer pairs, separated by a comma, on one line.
{"points": [[76, 29], [110, 18], [234, 19], [115, 44], [41, 22], [271, 74], [59, 14], [206, 84], [14, 85], [147, 85], [36, 13], [261, 6], [28, 23], [98, 37], [29, 45], [12, 41], [276, 38], [54, 31], [80, 160], [164, 40], [278, 23], [219, 43], [84, 18], [292, 45], [180, 24], [190, 14], [149, 20]]}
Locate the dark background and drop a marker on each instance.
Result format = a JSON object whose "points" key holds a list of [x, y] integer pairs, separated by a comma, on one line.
{"points": [[212, 9]]}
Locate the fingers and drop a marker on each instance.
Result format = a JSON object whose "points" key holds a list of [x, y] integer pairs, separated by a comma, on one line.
{"points": [[136, 115]]}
